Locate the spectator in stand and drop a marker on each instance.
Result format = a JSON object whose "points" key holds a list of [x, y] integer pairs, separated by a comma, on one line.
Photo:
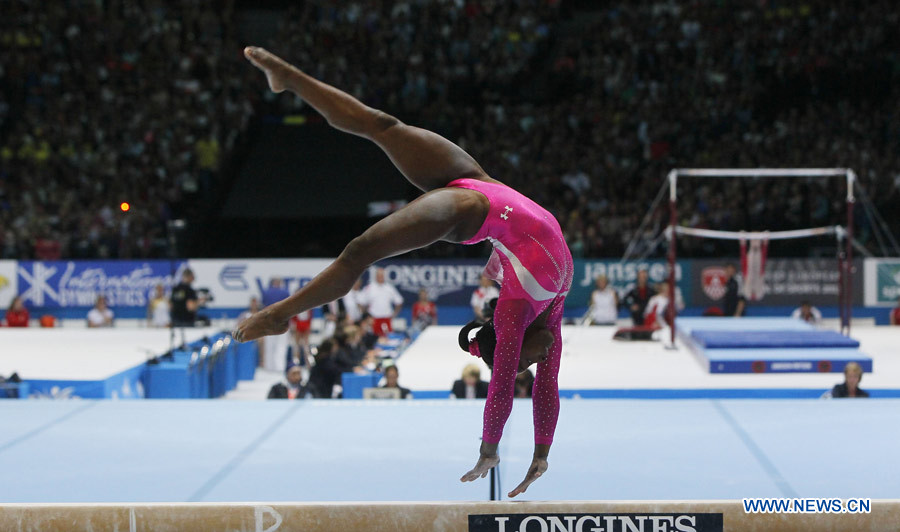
{"points": [[808, 313], [524, 384], [470, 386], [369, 338], [424, 311], [655, 312], [275, 348], [17, 315], [260, 343], [253, 309], [326, 373], [734, 303], [351, 303], [895, 314], [100, 315], [391, 375], [604, 304], [486, 291], [292, 388], [637, 298], [158, 314], [185, 301], [850, 387], [382, 301], [301, 324], [334, 317], [350, 351]]}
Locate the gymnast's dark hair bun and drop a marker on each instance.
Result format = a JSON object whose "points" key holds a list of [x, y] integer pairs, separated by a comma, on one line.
{"points": [[486, 338], [464, 334]]}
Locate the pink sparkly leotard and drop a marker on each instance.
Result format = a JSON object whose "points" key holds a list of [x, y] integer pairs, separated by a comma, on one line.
{"points": [[532, 263]]}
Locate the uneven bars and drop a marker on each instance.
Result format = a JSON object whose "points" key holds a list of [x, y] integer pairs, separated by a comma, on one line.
{"points": [[761, 172], [752, 235]]}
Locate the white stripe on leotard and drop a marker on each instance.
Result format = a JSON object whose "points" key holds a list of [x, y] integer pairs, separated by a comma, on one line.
{"points": [[526, 279]]}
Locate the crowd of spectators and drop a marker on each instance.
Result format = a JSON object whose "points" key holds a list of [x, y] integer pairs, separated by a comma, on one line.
{"points": [[110, 102], [583, 110], [600, 104]]}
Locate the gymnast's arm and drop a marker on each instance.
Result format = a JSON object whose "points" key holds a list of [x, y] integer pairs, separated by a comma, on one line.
{"points": [[510, 317], [453, 214]]}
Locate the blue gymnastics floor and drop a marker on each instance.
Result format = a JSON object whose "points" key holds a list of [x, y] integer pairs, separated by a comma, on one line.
{"points": [[172, 451]]}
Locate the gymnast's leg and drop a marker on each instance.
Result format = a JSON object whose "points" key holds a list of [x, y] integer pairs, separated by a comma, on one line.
{"points": [[426, 159]]}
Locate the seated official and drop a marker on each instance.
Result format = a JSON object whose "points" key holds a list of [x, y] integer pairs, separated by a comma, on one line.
{"points": [[524, 384], [850, 387], [326, 373], [470, 386], [808, 313], [100, 315], [293, 388], [391, 375], [17, 315]]}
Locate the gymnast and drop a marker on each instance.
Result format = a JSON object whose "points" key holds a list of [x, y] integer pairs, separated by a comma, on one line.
{"points": [[460, 204]]}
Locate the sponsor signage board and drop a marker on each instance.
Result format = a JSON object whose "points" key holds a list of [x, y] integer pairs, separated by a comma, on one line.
{"points": [[787, 282], [882, 282], [599, 522]]}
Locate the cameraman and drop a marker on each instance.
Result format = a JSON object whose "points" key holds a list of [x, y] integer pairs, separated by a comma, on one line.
{"points": [[186, 301]]}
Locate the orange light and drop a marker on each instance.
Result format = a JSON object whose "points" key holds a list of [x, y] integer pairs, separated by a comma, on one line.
{"points": [[125, 206]]}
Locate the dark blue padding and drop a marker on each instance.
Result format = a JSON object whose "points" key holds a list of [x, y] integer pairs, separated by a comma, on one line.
{"points": [[765, 339]]}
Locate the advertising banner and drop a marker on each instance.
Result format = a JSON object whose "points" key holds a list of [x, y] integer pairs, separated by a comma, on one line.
{"points": [[882, 282], [449, 282], [55, 285], [787, 282], [622, 277], [232, 282], [8, 282]]}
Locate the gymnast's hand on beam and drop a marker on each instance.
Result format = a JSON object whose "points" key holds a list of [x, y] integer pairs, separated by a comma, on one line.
{"points": [[538, 466], [264, 323], [488, 459]]}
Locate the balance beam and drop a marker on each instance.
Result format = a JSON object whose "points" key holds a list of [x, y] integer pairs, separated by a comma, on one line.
{"points": [[587, 516]]}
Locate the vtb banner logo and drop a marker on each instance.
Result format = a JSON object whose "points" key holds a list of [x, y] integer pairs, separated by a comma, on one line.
{"points": [[617, 522]]}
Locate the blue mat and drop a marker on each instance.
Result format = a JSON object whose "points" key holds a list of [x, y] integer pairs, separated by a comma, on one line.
{"points": [[718, 339]]}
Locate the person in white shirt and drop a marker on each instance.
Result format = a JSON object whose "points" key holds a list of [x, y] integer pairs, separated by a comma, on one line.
{"points": [[807, 313], [158, 308], [351, 303], [655, 313], [604, 303], [100, 315], [382, 302], [485, 292]]}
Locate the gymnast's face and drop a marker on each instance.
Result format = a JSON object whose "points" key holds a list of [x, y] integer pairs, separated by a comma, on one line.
{"points": [[535, 347]]}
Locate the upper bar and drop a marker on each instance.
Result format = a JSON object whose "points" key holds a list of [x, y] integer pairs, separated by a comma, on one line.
{"points": [[762, 172]]}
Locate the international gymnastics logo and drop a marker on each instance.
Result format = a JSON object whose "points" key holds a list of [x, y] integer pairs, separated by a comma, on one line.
{"points": [[701, 522]]}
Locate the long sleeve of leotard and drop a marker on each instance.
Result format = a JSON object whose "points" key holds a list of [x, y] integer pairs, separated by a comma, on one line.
{"points": [[511, 318], [545, 393]]}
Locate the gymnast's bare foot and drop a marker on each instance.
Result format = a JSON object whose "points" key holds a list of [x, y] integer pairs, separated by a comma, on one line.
{"points": [[263, 323], [275, 68]]}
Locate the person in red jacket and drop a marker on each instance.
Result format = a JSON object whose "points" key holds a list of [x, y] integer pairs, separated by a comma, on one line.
{"points": [[424, 311], [17, 315]]}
